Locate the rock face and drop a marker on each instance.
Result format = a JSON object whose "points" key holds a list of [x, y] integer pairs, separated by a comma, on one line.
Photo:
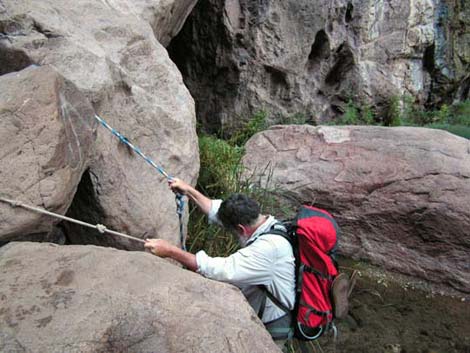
{"points": [[310, 57], [47, 131], [111, 54], [165, 16], [400, 195], [90, 299]]}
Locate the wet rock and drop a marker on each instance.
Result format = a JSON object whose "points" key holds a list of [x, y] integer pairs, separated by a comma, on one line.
{"points": [[47, 132], [400, 194], [113, 57], [89, 299]]}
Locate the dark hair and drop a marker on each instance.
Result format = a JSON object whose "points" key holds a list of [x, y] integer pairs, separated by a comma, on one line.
{"points": [[238, 209]]}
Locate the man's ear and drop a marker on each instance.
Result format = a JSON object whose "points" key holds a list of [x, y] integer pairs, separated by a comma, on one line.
{"points": [[242, 229]]}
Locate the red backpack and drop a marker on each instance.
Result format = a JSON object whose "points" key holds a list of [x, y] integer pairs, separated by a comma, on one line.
{"points": [[313, 235]]}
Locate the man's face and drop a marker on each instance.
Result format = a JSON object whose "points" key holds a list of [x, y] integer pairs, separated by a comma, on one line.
{"points": [[241, 235]]}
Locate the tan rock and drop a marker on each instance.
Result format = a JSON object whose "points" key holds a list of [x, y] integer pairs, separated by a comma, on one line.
{"points": [[400, 195], [112, 56], [90, 299], [47, 132]]}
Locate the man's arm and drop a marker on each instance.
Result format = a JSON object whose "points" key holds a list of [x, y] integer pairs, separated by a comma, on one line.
{"points": [[252, 265], [203, 202], [162, 248]]}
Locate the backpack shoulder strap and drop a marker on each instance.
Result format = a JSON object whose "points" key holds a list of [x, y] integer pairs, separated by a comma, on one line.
{"points": [[281, 229], [274, 300], [277, 228]]}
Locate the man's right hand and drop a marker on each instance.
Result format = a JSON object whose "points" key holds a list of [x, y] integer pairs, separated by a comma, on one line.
{"points": [[179, 186]]}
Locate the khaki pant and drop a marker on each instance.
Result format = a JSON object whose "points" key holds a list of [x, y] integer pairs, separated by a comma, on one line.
{"points": [[282, 345]]}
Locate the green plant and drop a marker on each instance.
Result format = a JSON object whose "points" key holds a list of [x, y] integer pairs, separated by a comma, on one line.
{"points": [[454, 118], [220, 166], [459, 113], [256, 124], [295, 119], [351, 114], [367, 115], [459, 130], [442, 116], [356, 115], [408, 109], [221, 174], [393, 113]]}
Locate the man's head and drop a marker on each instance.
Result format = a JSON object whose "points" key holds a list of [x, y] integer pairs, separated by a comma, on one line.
{"points": [[239, 214]]}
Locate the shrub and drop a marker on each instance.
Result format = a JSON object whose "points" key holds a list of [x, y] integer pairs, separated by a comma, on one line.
{"points": [[393, 113], [257, 123], [221, 175], [295, 119], [220, 166], [459, 130], [351, 114], [367, 115], [459, 113], [355, 115]]}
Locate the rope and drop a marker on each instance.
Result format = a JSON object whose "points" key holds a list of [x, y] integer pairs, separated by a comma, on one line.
{"points": [[179, 198], [180, 211], [99, 227], [137, 150]]}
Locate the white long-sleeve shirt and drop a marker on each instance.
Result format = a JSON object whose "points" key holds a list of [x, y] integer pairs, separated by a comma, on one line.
{"points": [[268, 261]]}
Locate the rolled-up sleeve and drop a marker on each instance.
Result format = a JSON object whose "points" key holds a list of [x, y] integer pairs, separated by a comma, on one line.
{"points": [[249, 266], [212, 215]]}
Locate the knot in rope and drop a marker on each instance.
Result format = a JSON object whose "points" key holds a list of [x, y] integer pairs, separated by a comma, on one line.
{"points": [[101, 228]]}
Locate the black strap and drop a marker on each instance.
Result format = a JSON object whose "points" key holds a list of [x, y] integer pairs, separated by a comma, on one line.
{"points": [[276, 301], [277, 228], [315, 311], [309, 269], [262, 307]]}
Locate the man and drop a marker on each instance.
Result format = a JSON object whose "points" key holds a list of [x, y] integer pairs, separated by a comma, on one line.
{"points": [[264, 263]]}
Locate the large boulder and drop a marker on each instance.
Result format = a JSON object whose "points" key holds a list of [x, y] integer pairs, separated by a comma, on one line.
{"points": [[400, 195], [165, 16], [47, 131], [112, 55], [309, 58], [90, 299]]}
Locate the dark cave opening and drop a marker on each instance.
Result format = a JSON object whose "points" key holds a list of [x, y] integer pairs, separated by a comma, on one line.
{"points": [[320, 47], [12, 60], [349, 12], [344, 62], [428, 58], [279, 83], [201, 51], [85, 207]]}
